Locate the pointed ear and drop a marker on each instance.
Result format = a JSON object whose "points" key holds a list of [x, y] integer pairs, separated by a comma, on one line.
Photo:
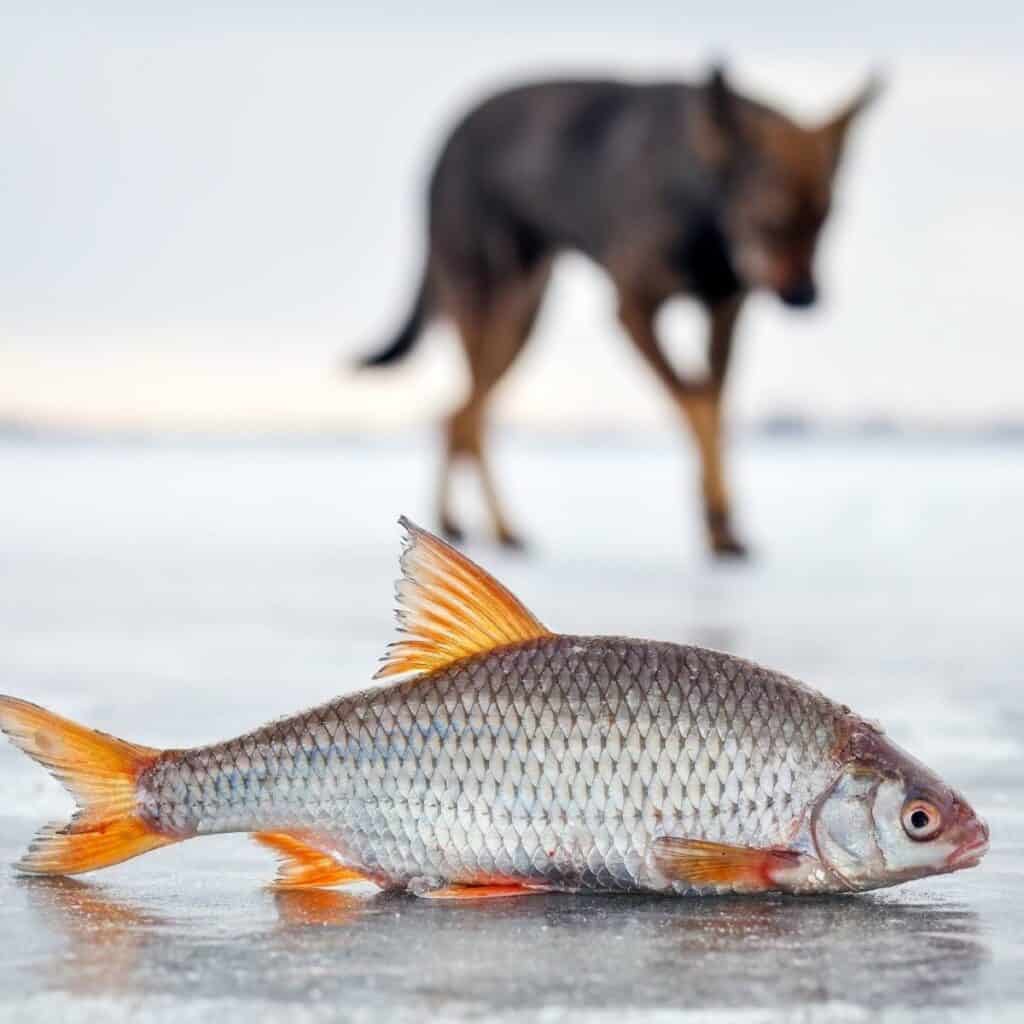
{"points": [[722, 102], [836, 127]]}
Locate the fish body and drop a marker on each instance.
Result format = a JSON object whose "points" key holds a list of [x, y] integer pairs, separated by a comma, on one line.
{"points": [[557, 760], [511, 759]]}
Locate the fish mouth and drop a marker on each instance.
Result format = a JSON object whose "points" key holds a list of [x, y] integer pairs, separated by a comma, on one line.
{"points": [[969, 854]]}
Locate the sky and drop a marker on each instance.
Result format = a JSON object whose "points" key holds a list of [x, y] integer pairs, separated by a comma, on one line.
{"points": [[208, 210]]}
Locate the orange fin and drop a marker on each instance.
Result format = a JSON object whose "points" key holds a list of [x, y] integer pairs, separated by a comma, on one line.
{"points": [[449, 608], [702, 863], [304, 865], [101, 773], [499, 890]]}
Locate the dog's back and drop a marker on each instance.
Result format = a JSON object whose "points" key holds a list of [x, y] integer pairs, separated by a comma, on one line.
{"points": [[567, 165]]}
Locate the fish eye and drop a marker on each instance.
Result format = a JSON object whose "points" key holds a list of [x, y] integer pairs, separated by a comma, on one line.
{"points": [[921, 820]]}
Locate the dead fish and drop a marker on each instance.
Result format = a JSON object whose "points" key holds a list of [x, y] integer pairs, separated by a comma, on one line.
{"points": [[510, 759]]}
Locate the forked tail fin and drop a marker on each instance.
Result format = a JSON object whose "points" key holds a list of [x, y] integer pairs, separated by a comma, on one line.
{"points": [[101, 773]]}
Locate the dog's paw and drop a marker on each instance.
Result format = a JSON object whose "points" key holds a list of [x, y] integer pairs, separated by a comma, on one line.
{"points": [[730, 548], [452, 532], [511, 541], [724, 543]]}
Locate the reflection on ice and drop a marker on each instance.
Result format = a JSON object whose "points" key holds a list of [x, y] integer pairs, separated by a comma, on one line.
{"points": [[106, 938], [178, 609], [571, 951]]}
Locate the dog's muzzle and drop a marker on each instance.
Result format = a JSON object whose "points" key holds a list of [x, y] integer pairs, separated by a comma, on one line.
{"points": [[800, 295]]}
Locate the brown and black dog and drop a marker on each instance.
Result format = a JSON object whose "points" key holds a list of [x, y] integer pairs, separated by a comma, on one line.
{"points": [[674, 189]]}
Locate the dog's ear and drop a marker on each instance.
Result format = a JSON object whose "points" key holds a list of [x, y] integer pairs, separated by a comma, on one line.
{"points": [[722, 102], [838, 125]]}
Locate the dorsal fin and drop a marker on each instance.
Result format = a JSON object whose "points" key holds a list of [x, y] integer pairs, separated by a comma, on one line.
{"points": [[449, 608]]}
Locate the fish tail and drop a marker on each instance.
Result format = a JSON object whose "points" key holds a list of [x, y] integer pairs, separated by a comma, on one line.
{"points": [[101, 773]]}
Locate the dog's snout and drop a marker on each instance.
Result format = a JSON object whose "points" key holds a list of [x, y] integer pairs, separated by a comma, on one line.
{"points": [[801, 294]]}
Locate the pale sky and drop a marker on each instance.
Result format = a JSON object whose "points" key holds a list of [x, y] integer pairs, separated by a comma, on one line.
{"points": [[205, 207]]}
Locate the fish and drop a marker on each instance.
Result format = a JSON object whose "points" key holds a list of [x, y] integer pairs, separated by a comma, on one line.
{"points": [[495, 758]]}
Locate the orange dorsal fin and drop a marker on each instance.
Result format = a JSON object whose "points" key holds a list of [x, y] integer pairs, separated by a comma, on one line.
{"points": [[101, 772], [304, 865], [449, 608], [720, 865]]}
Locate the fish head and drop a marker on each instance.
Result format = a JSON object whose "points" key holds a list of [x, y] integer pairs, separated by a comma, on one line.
{"points": [[888, 819]]}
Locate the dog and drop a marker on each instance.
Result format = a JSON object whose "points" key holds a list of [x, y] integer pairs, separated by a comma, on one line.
{"points": [[672, 188]]}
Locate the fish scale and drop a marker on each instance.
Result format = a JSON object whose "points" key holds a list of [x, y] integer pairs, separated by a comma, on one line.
{"points": [[557, 760]]}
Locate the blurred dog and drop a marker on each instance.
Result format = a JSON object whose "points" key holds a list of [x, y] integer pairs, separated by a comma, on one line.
{"points": [[674, 189]]}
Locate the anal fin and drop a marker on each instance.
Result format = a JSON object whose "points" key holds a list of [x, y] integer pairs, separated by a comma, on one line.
{"points": [[303, 864], [704, 864]]}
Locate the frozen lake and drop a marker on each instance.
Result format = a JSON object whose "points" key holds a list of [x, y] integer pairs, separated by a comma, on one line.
{"points": [[179, 593]]}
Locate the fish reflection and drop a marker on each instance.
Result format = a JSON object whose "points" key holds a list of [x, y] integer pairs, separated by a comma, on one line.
{"points": [[868, 951], [598, 951], [106, 937], [323, 908]]}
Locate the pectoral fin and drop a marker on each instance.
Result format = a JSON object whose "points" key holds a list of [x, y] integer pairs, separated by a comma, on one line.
{"points": [[303, 865], [703, 864]]}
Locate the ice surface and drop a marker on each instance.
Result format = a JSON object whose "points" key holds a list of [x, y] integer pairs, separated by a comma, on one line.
{"points": [[176, 594]]}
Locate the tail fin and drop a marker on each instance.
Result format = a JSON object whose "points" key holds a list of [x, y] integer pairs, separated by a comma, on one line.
{"points": [[101, 773], [403, 342]]}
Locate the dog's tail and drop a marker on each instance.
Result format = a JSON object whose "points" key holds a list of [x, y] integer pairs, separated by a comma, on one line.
{"points": [[411, 329]]}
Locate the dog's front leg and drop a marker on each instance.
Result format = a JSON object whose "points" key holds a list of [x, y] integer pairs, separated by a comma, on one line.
{"points": [[701, 408], [700, 403]]}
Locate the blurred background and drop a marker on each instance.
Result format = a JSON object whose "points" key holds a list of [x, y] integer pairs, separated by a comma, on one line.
{"points": [[208, 210], [205, 205]]}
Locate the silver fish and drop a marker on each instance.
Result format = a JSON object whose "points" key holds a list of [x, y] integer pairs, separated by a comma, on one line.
{"points": [[511, 760]]}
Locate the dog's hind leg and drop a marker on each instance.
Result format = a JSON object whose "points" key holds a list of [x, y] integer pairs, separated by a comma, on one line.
{"points": [[493, 333], [700, 403]]}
